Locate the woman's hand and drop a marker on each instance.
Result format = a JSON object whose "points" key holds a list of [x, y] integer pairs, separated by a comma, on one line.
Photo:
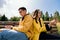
{"points": [[53, 22]]}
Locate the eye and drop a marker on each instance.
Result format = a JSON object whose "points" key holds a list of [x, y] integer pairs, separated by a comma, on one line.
{"points": [[20, 11]]}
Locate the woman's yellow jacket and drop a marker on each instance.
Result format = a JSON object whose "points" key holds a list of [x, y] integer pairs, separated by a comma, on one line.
{"points": [[38, 29]]}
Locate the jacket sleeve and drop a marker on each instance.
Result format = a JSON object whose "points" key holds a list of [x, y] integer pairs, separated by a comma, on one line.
{"points": [[37, 27], [43, 26], [26, 25]]}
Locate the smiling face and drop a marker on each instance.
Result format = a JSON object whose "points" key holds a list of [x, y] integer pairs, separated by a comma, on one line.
{"points": [[22, 12], [39, 14]]}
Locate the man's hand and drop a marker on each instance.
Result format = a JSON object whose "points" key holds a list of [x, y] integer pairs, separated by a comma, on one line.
{"points": [[0, 30], [8, 26]]}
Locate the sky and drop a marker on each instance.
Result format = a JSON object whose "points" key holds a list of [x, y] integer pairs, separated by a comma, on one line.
{"points": [[10, 7]]}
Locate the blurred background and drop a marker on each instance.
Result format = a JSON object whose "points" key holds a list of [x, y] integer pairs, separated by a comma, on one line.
{"points": [[9, 11]]}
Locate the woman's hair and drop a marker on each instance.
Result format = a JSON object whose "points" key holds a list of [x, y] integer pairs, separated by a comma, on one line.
{"points": [[36, 15], [36, 12]]}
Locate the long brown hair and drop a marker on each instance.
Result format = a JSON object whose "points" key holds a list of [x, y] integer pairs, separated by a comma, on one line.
{"points": [[36, 15]]}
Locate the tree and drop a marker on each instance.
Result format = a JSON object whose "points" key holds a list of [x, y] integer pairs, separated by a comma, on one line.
{"points": [[15, 18], [56, 15], [51, 17], [0, 17], [42, 15], [46, 16], [4, 18]]}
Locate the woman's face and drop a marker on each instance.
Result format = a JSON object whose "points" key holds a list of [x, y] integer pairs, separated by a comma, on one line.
{"points": [[39, 14]]}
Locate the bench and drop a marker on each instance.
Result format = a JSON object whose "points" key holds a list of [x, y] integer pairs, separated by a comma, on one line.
{"points": [[15, 23]]}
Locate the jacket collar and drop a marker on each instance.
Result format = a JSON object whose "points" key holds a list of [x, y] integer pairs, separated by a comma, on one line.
{"points": [[24, 17]]}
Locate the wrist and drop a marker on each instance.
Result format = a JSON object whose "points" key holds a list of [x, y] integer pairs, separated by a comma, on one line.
{"points": [[11, 27]]}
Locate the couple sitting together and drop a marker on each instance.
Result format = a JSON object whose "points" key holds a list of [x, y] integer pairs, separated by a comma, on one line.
{"points": [[29, 27]]}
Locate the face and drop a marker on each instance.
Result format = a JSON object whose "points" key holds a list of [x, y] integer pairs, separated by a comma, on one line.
{"points": [[39, 14], [22, 12]]}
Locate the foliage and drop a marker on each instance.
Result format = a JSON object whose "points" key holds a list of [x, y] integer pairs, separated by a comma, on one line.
{"points": [[15, 18], [45, 17], [3, 18]]}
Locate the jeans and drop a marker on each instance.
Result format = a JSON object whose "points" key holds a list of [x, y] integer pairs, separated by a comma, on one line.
{"points": [[12, 35]]}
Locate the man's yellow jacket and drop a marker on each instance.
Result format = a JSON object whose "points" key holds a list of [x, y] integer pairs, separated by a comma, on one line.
{"points": [[26, 26]]}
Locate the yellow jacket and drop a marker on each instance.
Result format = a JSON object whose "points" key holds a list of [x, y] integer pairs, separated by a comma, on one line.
{"points": [[38, 29], [58, 27], [26, 26]]}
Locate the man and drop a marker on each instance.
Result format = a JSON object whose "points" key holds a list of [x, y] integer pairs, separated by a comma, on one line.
{"points": [[25, 25]]}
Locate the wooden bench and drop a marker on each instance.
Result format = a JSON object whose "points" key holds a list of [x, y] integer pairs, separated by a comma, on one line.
{"points": [[15, 23]]}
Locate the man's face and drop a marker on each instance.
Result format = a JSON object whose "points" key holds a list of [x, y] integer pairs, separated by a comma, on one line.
{"points": [[22, 12]]}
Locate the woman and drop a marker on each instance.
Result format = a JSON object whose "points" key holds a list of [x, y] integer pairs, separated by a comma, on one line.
{"points": [[38, 23]]}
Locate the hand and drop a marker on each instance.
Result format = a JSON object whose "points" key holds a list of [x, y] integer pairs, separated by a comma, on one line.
{"points": [[53, 22], [0, 30], [8, 26]]}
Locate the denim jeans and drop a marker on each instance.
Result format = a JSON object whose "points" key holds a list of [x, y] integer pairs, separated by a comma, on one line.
{"points": [[12, 35]]}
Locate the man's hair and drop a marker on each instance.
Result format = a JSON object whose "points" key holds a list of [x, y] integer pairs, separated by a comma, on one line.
{"points": [[22, 8]]}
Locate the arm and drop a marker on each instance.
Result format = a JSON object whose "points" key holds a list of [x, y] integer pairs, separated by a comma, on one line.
{"points": [[26, 25], [48, 27], [37, 27], [43, 28], [53, 22]]}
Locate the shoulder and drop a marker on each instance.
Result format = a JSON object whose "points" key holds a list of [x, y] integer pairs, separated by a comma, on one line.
{"points": [[28, 16]]}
